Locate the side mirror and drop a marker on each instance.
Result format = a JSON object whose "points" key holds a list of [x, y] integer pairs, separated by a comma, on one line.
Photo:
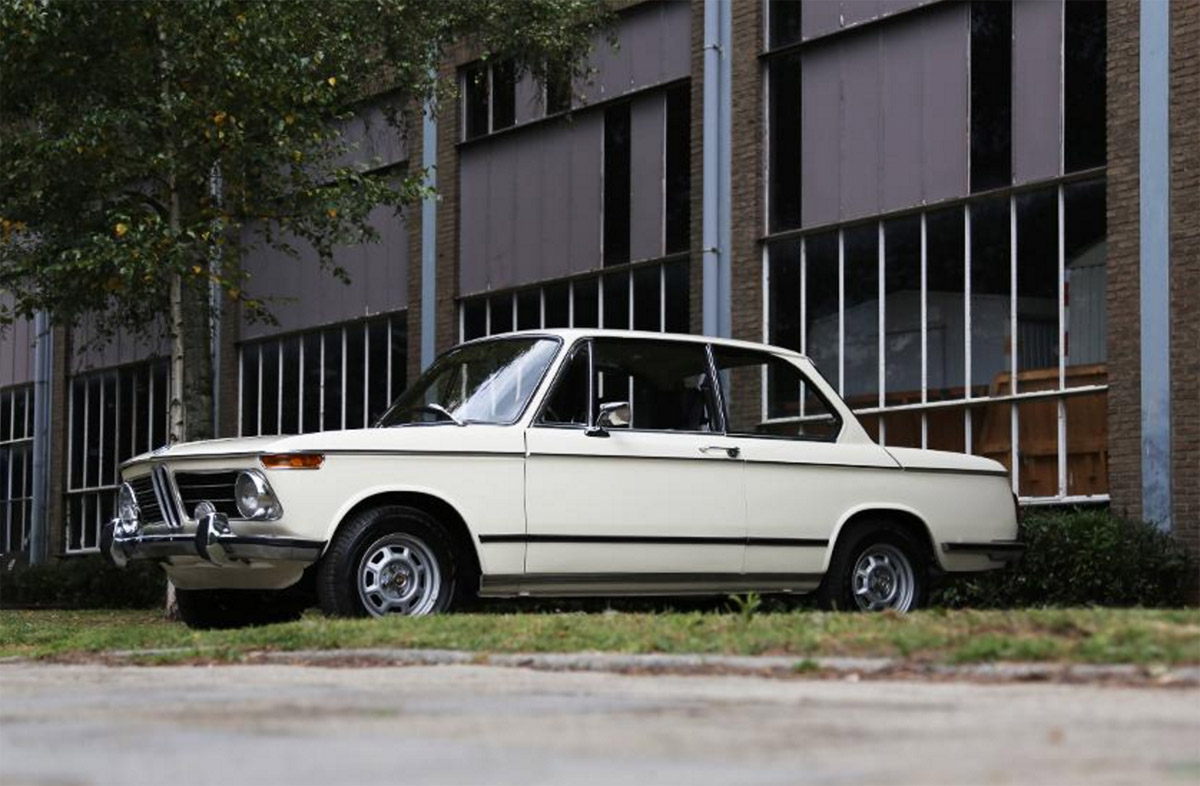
{"points": [[614, 414]]}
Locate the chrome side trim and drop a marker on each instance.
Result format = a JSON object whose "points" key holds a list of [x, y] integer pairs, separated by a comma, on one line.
{"points": [[587, 584]]}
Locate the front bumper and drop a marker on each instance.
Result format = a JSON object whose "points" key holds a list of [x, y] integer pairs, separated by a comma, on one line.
{"points": [[213, 541]]}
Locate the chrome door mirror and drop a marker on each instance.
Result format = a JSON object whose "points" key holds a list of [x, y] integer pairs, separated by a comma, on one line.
{"points": [[614, 414]]}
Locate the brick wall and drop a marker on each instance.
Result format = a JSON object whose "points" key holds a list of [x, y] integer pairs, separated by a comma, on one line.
{"points": [[747, 167], [415, 135], [1185, 269], [1124, 326]]}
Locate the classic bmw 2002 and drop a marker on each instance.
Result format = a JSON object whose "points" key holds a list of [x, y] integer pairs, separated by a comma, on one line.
{"points": [[567, 462]]}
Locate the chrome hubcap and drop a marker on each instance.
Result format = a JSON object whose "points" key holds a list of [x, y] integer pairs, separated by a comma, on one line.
{"points": [[884, 579], [398, 574]]}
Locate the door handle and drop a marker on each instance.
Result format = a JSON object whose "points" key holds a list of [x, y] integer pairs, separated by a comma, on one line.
{"points": [[729, 450]]}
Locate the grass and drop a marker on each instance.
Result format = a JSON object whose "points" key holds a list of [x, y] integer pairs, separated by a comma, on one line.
{"points": [[1061, 635]]}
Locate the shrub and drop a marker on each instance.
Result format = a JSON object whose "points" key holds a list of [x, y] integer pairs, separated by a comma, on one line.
{"points": [[1082, 558], [88, 582]]}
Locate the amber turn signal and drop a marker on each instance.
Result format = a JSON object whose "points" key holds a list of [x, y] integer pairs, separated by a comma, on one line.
{"points": [[293, 460]]}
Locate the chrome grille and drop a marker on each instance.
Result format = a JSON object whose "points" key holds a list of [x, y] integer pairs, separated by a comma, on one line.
{"points": [[156, 498], [166, 498], [147, 499], [214, 487]]}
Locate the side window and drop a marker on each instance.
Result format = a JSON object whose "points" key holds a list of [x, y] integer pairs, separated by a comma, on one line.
{"points": [[666, 383], [568, 401], [794, 408]]}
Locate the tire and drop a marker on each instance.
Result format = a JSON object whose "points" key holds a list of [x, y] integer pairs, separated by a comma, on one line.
{"points": [[211, 609], [877, 567], [391, 559]]}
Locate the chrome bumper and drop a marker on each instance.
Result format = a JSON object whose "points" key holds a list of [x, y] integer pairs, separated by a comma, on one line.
{"points": [[213, 541]]}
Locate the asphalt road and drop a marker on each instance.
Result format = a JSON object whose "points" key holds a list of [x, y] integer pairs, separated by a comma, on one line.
{"points": [[93, 724]]}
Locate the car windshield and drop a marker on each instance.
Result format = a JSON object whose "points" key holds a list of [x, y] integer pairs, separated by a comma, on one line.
{"points": [[482, 382]]}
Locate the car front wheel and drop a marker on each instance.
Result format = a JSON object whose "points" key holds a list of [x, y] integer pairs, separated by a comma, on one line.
{"points": [[876, 569], [391, 559]]}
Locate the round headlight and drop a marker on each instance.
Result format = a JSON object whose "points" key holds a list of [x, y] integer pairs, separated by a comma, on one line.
{"points": [[255, 500], [127, 507]]}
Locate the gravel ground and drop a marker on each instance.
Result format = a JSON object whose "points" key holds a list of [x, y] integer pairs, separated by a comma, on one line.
{"points": [[458, 724]]}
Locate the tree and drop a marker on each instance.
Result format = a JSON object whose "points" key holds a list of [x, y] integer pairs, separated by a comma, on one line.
{"points": [[138, 139]]}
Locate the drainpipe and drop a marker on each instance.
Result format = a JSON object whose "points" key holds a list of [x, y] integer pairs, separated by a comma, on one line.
{"points": [[429, 129], [716, 277], [43, 364]]}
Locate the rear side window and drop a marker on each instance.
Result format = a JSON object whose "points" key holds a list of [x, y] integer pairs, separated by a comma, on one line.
{"points": [[792, 407]]}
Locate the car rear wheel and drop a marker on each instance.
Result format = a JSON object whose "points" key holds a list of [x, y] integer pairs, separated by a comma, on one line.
{"points": [[392, 559], [877, 568]]}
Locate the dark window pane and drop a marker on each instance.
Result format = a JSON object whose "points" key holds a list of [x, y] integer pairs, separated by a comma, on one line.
{"points": [[647, 299], [670, 383], [475, 106], [1086, 247], [558, 308], [616, 184], [616, 301], [356, 367], [821, 302], [333, 379], [679, 168], [586, 303], [78, 396], [945, 309], [289, 386], [567, 403], [784, 165], [142, 407], [270, 387], [504, 95], [108, 434], [19, 428], [902, 311], [125, 412], [788, 413], [474, 318], [377, 361], [250, 390], [862, 315], [677, 283], [312, 382], [991, 94], [5, 416], [558, 89], [990, 297], [91, 465], [783, 295], [399, 354], [783, 19], [160, 405], [529, 309], [1084, 85], [1037, 290], [502, 314]]}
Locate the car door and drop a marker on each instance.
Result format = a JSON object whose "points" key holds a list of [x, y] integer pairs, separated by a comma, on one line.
{"points": [[635, 506], [805, 467]]}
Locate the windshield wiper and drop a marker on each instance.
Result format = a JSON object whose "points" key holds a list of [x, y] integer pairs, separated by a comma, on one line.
{"points": [[438, 409]]}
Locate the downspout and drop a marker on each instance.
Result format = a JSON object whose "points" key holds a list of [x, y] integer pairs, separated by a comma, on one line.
{"points": [[716, 304], [43, 365]]}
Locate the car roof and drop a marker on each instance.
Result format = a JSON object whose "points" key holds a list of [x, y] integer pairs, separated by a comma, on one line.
{"points": [[570, 335]]}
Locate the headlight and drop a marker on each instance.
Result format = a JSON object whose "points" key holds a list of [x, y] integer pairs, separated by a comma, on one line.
{"points": [[127, 508], [255, 499]]}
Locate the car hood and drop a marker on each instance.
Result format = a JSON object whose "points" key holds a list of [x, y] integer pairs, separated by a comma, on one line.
{"points": [[431, 438], [917, 459]]}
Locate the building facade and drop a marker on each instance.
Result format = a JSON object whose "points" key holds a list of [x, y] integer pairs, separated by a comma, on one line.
{"points": [[980, 219]]}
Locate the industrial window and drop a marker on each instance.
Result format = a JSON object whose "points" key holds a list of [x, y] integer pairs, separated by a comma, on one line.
{"points": [[344, 376], [1084, 84], [783, 22], [115, 414], [783, 146], [985, 321], [678, 209], [617, 152], [16, 467], [649, 296], [558, 90], [489, 97], [991, 94]]}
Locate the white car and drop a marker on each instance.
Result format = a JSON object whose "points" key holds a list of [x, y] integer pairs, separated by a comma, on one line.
{"points": [[567, 463]]}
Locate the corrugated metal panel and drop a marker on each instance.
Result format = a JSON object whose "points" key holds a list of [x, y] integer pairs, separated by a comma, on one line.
{"points": [[654, 46], [92, 353], [555, 153], [529, 198], [903, 97], [859, 11], [819, 18], [820, 148], [1037, 69], [301, 295], [587, 151], [647, 135], [473, 210], [502, 213], [861, 167], [379, 142], [946, 92], [16, 354], [529, 100], [822, 17]]}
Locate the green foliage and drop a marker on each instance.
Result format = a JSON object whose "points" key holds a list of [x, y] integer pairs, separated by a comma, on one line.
{"points": [[115, 118], [1082, 558], [89, 582]]}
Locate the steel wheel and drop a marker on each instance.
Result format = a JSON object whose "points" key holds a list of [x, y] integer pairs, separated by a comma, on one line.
{"points": [[399, 574], [883, 578]]}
